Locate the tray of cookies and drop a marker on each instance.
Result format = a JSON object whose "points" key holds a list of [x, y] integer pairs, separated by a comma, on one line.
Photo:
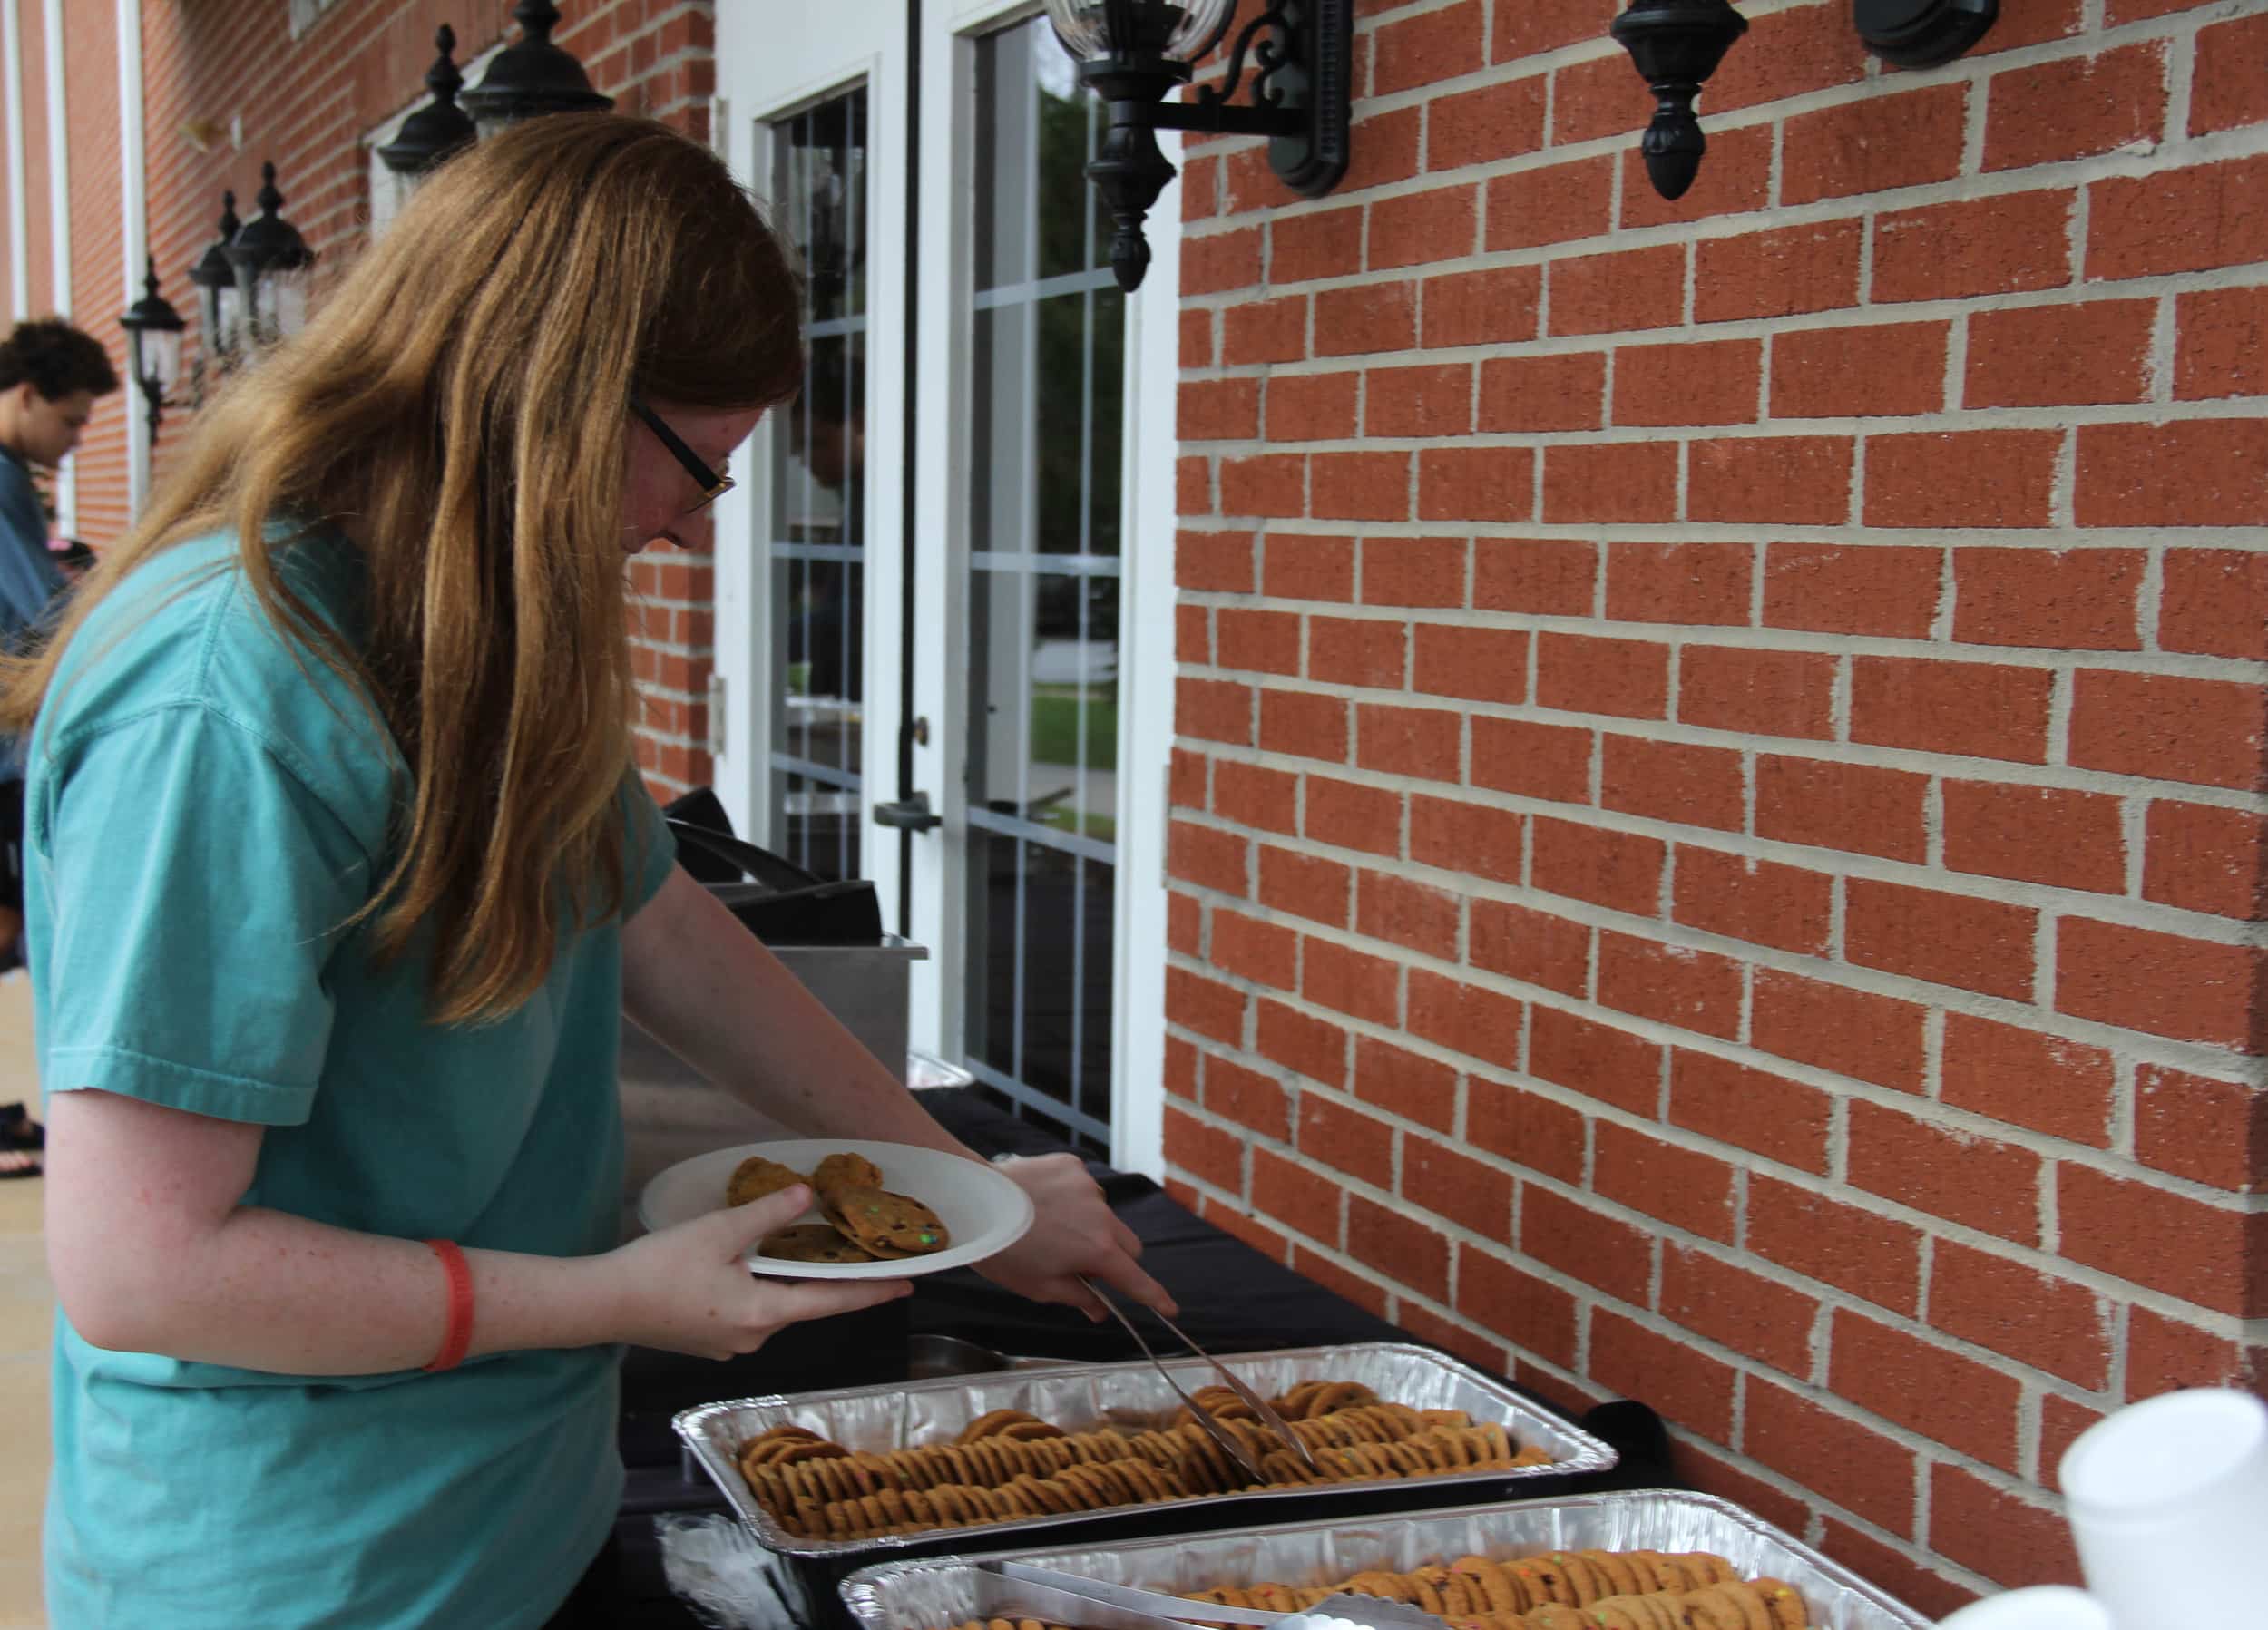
{"points": [[1634, 1560], [868, 1470]]}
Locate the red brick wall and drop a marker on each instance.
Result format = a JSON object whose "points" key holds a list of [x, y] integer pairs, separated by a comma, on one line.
{"points": [[38, 227], [307, 105], [1716, 843]]}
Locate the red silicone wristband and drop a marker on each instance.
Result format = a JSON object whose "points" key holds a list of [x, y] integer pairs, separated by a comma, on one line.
{"points": [[459, 1335]]}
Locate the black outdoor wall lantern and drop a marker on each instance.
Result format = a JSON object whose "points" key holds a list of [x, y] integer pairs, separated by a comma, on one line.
{"points": [[270, 261], [1676, 45], [153, 337], [439, 128], [532, 76], [1133, 52], [215, 281]]}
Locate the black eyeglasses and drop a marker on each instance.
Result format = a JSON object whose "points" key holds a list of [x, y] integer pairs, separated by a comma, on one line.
{"points": [[713, 486]]}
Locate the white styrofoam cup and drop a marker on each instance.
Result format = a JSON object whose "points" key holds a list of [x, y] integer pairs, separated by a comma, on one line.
{"points": [[2169, 1502], [2038, 1607]]}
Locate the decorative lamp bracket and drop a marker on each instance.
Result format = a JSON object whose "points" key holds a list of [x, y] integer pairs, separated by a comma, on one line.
{"points": [[1676, 45], [1301, 53]]}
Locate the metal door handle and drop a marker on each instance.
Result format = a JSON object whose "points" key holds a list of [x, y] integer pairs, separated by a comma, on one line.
{"points": [[909, 815]]}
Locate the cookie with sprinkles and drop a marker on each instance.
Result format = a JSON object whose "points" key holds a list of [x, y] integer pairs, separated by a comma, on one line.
{"points": [[887, 1225]]}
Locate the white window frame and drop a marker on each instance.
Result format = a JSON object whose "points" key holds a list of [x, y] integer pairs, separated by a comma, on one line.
{"points": [[133, 237], [306, 13], [59, 245], [19, 214], [1152, 378]]}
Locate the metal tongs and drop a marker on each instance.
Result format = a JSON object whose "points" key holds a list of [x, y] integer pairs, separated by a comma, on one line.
{"points": [[1229, 1443], [1059, 1598]]}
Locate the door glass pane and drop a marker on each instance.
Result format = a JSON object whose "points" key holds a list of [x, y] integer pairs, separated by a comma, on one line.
{"points": [[1047, 357], [816, 540]]}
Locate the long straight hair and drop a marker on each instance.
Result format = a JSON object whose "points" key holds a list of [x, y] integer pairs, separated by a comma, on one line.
{"points": [[459, 406]]}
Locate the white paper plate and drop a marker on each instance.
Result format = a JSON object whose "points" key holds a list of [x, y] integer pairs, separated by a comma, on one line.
{"points": [[983, 1211]]}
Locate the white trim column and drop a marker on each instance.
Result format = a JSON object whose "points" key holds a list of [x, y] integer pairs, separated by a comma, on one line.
{"points": [[133, 231], [1146, 629], [942, 168], [59, 233], [19, 217], [1145, 625]]}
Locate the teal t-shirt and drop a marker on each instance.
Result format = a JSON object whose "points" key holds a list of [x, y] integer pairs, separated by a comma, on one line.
{"points": [[202, 813]]}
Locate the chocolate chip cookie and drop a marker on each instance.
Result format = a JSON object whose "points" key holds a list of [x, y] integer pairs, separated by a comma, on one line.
{"points": [[812, 1241], [756, 1177]]}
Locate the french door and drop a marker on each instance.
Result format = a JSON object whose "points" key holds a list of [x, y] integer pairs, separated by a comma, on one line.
{"points": [[947, 597], [810, 559]]}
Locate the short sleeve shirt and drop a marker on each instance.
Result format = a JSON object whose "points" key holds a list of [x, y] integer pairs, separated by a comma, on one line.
{"points": [[30, 583], [207, 803]]}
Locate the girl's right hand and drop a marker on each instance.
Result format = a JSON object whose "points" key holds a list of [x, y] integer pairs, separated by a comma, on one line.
{"points": [[685, 1290]]}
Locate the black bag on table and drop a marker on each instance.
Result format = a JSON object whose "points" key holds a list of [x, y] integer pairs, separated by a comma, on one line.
{"points": [[779, 902]]}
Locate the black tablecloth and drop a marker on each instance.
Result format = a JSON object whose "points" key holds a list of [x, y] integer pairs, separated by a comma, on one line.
{"points": [[1232, 1300]]}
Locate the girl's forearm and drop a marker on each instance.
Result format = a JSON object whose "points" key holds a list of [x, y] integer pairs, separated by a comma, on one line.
{"points": [[270, 1292]]}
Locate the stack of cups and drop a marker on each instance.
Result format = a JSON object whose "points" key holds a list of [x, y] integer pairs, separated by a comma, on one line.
{"points": [[2169, 1504], [2041, 1607]]}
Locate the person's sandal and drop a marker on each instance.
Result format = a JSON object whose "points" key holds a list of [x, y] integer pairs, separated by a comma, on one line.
{"points": [[18, 1163], [18, 1130]]}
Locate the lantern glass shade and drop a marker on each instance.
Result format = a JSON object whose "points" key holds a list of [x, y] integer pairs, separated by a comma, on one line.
{"points": [[246, 328], [272, 262], [289, 294], [269, 306], [1182, 31], [221, 307], [153, 339], [158, 356], [214, 278]]}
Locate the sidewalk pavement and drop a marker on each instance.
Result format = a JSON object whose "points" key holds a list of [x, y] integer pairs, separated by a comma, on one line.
{"points": [[27, 1307]]}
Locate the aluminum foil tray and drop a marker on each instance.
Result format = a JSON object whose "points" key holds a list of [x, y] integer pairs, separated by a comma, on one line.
{"points": [[940, 1592], [1082, 1397]]}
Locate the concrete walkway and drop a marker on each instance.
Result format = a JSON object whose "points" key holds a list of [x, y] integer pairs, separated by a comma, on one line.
{"points": [[26, 1311]]}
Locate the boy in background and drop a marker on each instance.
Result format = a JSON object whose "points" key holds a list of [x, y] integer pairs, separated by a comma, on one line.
{"points": [[50, 375]]}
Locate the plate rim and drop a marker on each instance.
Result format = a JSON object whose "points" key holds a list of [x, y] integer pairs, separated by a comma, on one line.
{"points": [[900, 1268]]}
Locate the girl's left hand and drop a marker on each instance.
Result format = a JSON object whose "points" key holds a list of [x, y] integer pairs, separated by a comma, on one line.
{"points": [[1073, 1232]]}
